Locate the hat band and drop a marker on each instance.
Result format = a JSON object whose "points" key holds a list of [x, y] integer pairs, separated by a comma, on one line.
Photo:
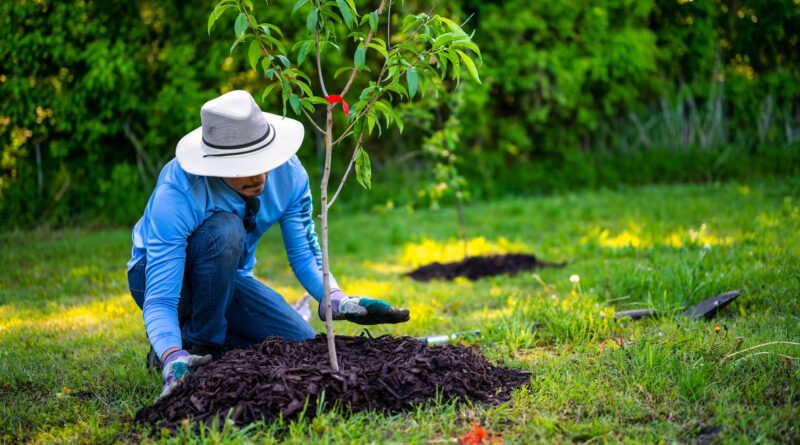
{"points": [[243, 148]]}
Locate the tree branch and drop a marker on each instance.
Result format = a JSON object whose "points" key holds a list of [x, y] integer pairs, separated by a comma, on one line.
{"points": [[319, 63], [311, 119], [250, 22], [141, 154], [389, 28], [349, 167]]}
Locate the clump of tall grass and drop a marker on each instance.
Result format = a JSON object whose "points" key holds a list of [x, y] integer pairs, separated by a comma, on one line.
{"points": [[688, 121]]}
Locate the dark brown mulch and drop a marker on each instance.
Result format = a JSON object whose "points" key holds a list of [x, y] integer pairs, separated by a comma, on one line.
{"points": [[477, 267], [280, 377]]}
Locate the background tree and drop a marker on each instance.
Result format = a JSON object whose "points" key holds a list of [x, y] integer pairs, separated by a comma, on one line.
{"points": [[443, 147]]}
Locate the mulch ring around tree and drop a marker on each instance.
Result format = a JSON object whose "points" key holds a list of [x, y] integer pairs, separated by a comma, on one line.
{"points": [[278, 377], [477, 267]]}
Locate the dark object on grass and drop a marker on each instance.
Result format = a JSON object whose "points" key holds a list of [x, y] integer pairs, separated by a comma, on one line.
{"points": [[707, 435], [477, 267], [278, 377], [634, 314], [705, 309], [153, 362], [709, 308]]}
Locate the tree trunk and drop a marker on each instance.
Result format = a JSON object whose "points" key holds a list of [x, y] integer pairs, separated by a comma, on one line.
{"points": [[462, 225], [326, 279]]}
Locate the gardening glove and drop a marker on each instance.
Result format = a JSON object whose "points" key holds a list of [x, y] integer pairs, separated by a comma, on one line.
{"points": [[363, 310], [176, 365]]}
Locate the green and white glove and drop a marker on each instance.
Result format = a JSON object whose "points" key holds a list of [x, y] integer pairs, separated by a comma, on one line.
{"points": [[176, 365], [363, 310]]}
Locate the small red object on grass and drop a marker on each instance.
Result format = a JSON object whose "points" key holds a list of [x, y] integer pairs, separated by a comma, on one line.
{"points": [[478, 435], [335, 98]]}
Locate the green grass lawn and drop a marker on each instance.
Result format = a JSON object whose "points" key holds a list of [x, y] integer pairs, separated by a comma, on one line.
{"points": [[72, 342]]}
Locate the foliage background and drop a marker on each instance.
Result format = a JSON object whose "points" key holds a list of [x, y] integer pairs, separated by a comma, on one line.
{"points": [[95, 95]]}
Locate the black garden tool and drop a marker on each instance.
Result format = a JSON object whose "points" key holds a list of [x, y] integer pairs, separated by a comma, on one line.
{"points": [[706, 309]]}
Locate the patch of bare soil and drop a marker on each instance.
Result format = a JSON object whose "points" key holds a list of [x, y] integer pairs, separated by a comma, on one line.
{"points": [[477, 267]]}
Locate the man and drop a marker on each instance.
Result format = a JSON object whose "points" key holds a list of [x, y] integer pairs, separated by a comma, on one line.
{"points": [[191, 270]]}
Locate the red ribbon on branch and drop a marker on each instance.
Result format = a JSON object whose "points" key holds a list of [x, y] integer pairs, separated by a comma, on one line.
{"points": [[335, 98]]}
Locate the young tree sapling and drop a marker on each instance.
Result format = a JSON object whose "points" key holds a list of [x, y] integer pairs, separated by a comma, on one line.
{"points": [[428, 46]]}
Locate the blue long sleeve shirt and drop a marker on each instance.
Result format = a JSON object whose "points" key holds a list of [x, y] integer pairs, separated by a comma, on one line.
{"points": [[179, 205]]}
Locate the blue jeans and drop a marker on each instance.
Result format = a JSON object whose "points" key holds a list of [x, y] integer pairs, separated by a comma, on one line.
{"points": [[219, 308]]}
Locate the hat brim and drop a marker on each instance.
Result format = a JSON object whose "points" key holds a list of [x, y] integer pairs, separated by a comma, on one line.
{"points": [[289, 135]]}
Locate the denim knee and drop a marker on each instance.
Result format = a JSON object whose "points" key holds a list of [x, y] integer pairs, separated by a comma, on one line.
{"points": [[221, 234]]}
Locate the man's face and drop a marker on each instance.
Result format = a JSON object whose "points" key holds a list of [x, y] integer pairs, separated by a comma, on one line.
{"points": [[250, 186]]}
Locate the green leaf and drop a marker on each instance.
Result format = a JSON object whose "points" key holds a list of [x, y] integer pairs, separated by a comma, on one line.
{"points": [[473, 70], [470, 46], [397, 88], [311, 20], [275, 43], [269, 27], [308, 106], [254, 53], [373, 21], [301, 56], [363, 169], [268, 90], [347, 14], [359, 57], [317, 100], [248, 3], [216, 14], [301, 74], [366, 92], [284, 61], [285, 92], [353, 8], [298, 5], [235, 43], [413, 80], [443, 39], [342, 70], [303, 86], [451, 24], [399, 123], [379, 49], [294, 100], [240, 27]]}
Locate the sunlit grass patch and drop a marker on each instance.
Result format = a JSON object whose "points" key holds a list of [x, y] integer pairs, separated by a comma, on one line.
{"points": [[637, 237], [88, 317], [429, 250]]}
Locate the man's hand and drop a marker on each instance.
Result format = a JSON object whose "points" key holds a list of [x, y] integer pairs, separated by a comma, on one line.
{"points": [[363, 310], [176, 365]]}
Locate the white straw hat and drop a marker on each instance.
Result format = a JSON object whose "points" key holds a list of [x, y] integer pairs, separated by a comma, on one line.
{"points": [[237, 139]]}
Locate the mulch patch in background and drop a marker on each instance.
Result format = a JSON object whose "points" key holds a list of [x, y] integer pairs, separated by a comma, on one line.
{"points": [[279, 376], [477, 267]]}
